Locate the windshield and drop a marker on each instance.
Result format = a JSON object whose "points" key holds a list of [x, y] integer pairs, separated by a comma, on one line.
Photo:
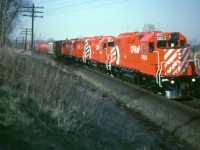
{"points": [[171, 44], [111, 44]]}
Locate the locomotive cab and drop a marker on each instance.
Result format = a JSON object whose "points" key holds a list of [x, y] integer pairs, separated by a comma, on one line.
{"points": [[176, 73], [159, 61], [107, 51]]}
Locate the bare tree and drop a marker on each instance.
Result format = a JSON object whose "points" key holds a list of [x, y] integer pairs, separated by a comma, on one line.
{"points": [[50, 39], [10, 10], [194, 45], [149, 27]]}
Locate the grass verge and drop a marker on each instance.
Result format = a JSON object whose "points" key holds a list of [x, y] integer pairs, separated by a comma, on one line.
{"points": [[42, 107]]}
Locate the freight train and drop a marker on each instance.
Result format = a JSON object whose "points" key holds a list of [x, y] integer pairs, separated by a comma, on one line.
{"points": [[156, 60]]}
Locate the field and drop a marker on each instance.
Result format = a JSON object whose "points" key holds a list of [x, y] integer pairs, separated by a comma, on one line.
{"points": [[42, 107]]}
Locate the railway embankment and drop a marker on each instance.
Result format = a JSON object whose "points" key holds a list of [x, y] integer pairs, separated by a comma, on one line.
{"points": [[176, 118], [179, 118]]}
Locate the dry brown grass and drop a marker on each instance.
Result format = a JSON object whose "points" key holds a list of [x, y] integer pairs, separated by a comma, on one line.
{"points": [[42, 107], [54, 92]]}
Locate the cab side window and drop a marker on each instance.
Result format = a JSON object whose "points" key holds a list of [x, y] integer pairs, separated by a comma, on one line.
{"points": [[111, 44], [161, 44], [104, 45], [183, 44], [173, 43], [151, 46]]}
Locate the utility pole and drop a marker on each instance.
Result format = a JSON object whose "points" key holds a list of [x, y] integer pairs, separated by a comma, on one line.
{"points": [[22, 42], [25, 31], [16, 43], [32, 13]]}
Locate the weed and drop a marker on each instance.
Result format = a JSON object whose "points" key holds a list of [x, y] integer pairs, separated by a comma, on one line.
{"points": [[42, 107]]}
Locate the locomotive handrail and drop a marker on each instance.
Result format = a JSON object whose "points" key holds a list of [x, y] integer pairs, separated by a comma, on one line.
{"points": [[161, 72], [157, 73], [195, 59], [198, 64]]}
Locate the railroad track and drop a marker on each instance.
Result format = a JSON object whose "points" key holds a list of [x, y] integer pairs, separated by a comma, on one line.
{"points": [[192, 102]]}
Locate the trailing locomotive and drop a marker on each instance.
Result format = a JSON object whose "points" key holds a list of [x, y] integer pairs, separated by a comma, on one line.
{"points": [[156, 60]]}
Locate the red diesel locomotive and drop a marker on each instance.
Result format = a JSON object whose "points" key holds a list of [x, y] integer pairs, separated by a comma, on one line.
{"points": [[156, 60]]}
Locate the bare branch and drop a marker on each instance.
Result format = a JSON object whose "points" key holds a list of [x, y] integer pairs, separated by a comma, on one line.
{"points": [[149, 27], [9, 11]]}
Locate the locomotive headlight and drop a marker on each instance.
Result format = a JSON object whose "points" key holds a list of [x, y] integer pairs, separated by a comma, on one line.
{"points": [[193, 79], [172, 81]]}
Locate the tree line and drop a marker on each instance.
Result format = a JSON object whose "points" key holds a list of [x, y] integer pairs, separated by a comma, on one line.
{"points": [[10, 12]]}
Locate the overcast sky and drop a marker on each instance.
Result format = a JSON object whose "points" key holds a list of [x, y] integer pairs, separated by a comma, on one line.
{"points": [[77, 18]]}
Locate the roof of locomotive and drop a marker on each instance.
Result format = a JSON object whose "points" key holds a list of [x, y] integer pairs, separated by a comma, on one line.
{"points": [[138, 33], [146, 36]]}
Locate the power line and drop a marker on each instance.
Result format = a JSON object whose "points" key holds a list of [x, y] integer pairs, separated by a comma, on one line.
{"points": [[45, 1], [32, 13], [89, 7], [76, 4]]}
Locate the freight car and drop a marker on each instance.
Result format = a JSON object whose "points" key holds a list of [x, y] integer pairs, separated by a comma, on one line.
{"points": [[42, 47], [58, 48], [50, 46], [155, 60]]}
